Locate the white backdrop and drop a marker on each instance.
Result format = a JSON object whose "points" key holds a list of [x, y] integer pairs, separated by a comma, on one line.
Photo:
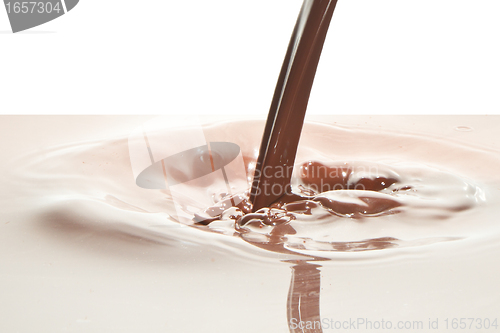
{"points": [[223, 57]]}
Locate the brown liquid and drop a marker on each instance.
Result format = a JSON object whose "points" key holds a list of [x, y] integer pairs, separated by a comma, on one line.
{"points": [[288, 108], [315, 180]]}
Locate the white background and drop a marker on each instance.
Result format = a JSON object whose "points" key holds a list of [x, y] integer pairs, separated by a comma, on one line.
{"points": [[223, 57]]}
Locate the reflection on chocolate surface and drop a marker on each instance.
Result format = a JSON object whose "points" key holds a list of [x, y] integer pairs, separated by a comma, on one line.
{"points": [[303, 307]]}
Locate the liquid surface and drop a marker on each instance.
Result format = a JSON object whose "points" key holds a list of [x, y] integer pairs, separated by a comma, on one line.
{"points": [[404, 197], [354, 206], [346, 212], [80, 232]]}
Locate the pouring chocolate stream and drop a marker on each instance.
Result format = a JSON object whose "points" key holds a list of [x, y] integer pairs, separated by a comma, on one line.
{"points": [[286, 115]]}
